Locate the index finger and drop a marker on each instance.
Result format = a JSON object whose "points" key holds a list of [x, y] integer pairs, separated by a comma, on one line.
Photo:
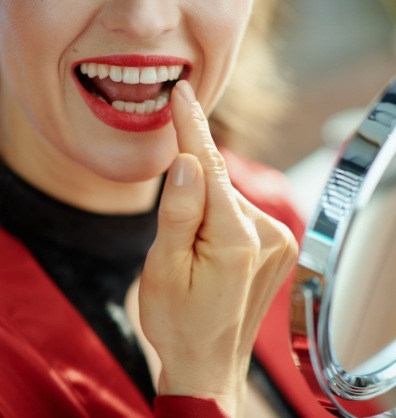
{"points": [[194, 137]]}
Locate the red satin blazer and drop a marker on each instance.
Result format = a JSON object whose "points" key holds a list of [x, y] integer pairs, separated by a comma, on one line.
{"points": [[53, 365]]}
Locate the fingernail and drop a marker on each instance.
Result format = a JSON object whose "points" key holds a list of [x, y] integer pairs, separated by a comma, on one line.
{"points": [[186, 90], [184, 171]]}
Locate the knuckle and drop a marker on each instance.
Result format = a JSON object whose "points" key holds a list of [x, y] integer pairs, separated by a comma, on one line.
{"points": [[278, 242], [287, 245], [161, 269], [183, 215], [199, 116], [243, 232], [215, 161]]}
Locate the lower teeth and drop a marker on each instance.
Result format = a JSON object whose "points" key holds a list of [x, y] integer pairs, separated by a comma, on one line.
{"points": [[148, 106]]}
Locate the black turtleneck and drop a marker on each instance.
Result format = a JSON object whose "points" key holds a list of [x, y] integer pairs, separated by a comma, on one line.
{"points": [[92, 258]]}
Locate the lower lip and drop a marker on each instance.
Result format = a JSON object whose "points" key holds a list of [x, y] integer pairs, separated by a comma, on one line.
{"points": [[131, 122]]}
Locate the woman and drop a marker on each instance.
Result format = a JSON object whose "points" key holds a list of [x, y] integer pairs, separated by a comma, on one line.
{"points": [[91, 119]]}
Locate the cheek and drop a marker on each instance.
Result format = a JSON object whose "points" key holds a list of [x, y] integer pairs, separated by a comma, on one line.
{"points": [[37, 32], [35, 36], [217, 30], [29, 38], [224, 22], [36, 23]]}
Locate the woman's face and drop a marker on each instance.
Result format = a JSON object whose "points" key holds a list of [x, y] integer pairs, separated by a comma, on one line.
{"points": [[88, 81]]}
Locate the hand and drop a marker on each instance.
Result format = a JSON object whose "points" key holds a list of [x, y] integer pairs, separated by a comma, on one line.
{"points": [[215, 265]]}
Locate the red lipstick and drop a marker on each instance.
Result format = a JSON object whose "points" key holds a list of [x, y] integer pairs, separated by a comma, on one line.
{"points": [[132, 122]]}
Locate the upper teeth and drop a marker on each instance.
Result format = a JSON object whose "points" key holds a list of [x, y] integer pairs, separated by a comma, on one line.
{"points": [[132, 75]]}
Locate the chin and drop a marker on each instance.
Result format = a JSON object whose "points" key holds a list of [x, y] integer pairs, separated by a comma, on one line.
{"points": [[132, 170], [99, 152]]}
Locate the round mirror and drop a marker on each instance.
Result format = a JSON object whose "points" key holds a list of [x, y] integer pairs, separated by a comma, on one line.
{"points": [[343, 316], [362, 322]]}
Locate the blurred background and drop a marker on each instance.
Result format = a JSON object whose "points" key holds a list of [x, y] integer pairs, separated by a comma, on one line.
{"points": [[336, 56]]}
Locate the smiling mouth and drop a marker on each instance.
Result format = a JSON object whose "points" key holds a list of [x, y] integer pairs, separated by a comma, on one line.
{"points": [[135, 90]]}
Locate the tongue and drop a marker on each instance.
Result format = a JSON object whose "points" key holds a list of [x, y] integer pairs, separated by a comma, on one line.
{"points": [[137, 93]]}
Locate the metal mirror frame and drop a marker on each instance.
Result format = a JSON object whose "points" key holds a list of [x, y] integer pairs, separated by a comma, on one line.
{"points": [[358, 169]]}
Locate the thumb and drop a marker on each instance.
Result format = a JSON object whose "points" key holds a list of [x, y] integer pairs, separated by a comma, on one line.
{"points": [[182, 205]]}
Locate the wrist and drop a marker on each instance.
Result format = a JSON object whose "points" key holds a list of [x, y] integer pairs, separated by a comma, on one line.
{"points": [[182, 406], [228, 390]]}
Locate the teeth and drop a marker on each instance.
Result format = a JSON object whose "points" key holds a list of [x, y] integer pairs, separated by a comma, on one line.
{"points": [[119, 105], [135, 75], [129, 107], [101, 70], [172, 73], [148, 75], [116, 73], [162, 74], [91, 70], [148, 106], [132, 75]]}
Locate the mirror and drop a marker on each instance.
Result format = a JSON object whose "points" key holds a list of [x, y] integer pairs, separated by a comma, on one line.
{"points": [[343, 312]]}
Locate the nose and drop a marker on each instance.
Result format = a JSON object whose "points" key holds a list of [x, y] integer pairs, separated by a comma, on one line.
{"points": [[141, 19]]}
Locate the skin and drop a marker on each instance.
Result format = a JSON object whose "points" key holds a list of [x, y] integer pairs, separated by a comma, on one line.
{"points": [[217, 261]]}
